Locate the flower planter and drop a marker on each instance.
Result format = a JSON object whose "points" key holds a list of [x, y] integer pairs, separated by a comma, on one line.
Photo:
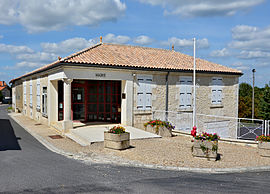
{"points": [[116, 141], [205, 149], [161, 130], [264, 148]]}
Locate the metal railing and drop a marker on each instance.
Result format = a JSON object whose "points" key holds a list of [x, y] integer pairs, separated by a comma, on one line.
{"points": [[226, 127]]}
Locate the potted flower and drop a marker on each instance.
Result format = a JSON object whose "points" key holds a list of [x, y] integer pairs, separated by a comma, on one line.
{"points": [[116, 138], [162, 128], [264, 145], [204, 144]]}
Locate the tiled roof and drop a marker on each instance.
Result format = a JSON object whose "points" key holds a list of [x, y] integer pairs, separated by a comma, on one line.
{"points": [[115, 55], [3, 85]]}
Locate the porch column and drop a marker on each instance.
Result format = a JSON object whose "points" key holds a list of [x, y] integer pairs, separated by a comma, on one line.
{"points": [[67, 123]]}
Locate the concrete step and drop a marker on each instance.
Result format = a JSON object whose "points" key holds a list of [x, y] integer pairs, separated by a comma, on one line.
{"points": [[77, 139]]}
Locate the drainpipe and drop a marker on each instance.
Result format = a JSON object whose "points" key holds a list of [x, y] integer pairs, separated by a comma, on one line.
{"points": [[167, 97]]}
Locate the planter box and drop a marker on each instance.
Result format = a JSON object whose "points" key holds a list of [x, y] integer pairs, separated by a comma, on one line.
{"points": [[162, 131], [116, 141], [264, 148], [205, 149]]}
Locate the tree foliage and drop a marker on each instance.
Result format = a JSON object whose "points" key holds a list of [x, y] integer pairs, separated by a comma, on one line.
{"points": [[261, 102], [265, 103]]}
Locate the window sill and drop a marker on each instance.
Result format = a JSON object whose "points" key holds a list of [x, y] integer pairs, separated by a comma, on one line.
{"points": [[185, 109], [216, 106], [30, 106], [143, 112], [45, 115]]}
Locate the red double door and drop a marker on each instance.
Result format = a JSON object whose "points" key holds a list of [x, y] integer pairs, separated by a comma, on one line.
{"points": [[94, 100]]}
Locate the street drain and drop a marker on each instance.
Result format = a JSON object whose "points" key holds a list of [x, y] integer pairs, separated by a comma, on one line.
{"points": [[56, 136]]}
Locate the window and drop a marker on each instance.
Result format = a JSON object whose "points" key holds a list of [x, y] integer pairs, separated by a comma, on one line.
{"points": [[185, 92], [38, 93], [217, 90], [44, 101], [144, 93], [31, 93], [24, 92]]}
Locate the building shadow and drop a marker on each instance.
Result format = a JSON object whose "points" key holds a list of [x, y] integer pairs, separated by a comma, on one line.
{"points": [[8, 139]]}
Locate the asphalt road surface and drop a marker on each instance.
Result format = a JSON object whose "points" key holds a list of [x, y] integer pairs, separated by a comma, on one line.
{"points": [[26, 166]]}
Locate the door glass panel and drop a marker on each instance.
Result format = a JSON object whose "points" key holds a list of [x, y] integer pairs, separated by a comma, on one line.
{"points": [[101, 108], [78, 112], [92, 107], [101, 89], [108, 108], [78, 95], [101, 98], [92, 89], [92, 98]]}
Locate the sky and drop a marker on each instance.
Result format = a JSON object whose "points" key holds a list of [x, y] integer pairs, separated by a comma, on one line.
{"points": [[234, 33]]}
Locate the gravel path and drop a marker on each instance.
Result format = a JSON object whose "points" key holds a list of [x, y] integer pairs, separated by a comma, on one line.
{"points": [[174, 151]]}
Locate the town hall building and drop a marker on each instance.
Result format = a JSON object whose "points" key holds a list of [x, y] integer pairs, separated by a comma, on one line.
{"points": [[124, 84]]}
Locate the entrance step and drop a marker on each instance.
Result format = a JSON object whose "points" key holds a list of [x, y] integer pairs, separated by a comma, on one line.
{"points": [[78, 139]]}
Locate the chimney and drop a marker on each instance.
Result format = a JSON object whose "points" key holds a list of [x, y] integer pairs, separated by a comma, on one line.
{"points": [[173, 47], [100, 39]]}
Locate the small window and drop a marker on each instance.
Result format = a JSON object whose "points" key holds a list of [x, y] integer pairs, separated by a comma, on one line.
{"points": [[144, 92], [185, 92], [31, 93], [217, 84], [38, 93], [44, 101], [24, 92]]}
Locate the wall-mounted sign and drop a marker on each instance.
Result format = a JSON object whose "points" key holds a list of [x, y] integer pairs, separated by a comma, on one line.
{"points": [[100, 74]]}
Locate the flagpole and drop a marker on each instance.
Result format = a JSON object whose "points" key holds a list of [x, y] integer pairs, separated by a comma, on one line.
{"points": [[194, 82]]}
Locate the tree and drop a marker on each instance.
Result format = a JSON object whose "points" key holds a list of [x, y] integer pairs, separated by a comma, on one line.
{"points": [[245, 101], [265, 103], [245, 90]]}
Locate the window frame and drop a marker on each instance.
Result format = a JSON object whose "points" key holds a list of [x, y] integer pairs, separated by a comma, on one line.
{"points": [[144, 92], [216, 90]]}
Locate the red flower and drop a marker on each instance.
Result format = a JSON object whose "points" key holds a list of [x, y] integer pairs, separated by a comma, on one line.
{"points": [[194, 132]]}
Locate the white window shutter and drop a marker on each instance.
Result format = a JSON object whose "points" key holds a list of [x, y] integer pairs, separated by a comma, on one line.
{"points": [[141, 94], [38, 93], [31, 92], [144, 94], [214, 95], [24, 92], [219, 96], [185, 91]]}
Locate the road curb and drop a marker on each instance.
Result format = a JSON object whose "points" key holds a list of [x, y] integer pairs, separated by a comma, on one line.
{"points": [[84, 159], [42, 140]]}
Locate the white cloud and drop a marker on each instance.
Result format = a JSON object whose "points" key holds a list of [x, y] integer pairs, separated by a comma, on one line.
{"points": [[143, 40], [66, 46], [13, 49], [37, 57], [220, 53], [25, 64], [47, 15], [197, 8], [251, 38], [200, 43], [254, 54], [111, 38], [240, 66]]}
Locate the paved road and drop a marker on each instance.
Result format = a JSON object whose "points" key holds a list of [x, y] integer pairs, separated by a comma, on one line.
{"points": [[26, 166]]}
